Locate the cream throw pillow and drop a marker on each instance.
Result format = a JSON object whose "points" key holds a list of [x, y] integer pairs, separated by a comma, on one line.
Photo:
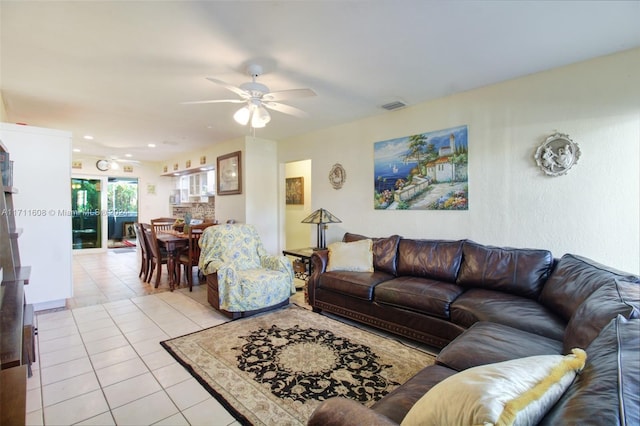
{"points": [[516, 392], [356, 256]]}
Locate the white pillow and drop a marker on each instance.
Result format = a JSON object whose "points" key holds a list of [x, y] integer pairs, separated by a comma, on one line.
{"points": [[356, 256], [516, 392]]}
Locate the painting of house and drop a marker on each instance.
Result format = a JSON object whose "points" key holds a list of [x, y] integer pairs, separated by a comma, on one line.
{"points": [[427, 171]]}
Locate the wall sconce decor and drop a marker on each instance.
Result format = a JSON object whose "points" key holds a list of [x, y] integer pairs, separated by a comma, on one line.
{"points": [[557, 154]]}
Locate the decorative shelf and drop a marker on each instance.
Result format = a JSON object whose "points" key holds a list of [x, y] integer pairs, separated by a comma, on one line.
{"points": [[20, 273]]}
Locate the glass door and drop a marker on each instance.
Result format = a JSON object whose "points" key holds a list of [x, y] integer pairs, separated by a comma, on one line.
{"points": [[122, 212], [86, 209]]}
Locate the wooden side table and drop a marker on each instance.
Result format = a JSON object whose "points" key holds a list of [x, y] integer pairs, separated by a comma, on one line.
{"points": [[302, 264]]}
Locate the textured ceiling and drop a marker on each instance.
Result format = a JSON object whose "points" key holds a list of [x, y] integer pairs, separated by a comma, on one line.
{"points": [[119, 70]]}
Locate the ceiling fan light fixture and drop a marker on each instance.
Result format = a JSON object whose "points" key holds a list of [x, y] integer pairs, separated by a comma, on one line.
{"points": [[260, 117], [256, 97], [242, 115]]}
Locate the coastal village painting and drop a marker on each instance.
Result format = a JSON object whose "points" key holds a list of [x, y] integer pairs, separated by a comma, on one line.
{"points": [[428, 171]]}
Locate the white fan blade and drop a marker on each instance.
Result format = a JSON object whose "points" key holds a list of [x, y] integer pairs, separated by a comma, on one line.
{"points": [[238, 91], [215, 101], [286, 109], [282, 95]]}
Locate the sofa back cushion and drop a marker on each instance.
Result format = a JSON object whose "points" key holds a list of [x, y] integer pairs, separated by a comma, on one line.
{"points": [[385, 251], [516, 271], [434, 259], [606, 392], [573, 280], [605, 303]]}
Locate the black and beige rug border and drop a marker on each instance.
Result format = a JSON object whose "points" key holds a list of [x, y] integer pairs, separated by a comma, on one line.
{"points": [[276, 367]]}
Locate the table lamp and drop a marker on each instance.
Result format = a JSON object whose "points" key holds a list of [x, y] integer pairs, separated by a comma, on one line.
{"points": [[321, 217]]}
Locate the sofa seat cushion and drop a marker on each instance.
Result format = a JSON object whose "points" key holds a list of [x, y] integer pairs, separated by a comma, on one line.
{"points": [[418, 294], [435, 259], [398, 402], [612, 299], [354, 284], [573, 280], [606, 392], [517, 271], [489, 342], [503, 308]]}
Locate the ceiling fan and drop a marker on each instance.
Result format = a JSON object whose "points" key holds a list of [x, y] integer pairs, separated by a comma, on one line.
{"points": [[257, 98]]}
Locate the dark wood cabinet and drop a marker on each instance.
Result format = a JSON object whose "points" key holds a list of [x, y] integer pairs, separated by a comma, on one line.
{"points": [[17, 332]]}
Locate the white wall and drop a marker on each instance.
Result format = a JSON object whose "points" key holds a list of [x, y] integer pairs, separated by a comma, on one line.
{"points": [[41, 173], [155, 186], [3, 110], [227, 206], [261, 189], [592, 211], [258, 203]]}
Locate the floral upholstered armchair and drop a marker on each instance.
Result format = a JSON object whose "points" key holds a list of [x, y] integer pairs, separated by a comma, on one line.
{"points": [[242, 279]]}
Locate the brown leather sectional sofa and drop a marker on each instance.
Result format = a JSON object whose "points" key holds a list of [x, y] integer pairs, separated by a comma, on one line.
{"points": [[482, 305]]}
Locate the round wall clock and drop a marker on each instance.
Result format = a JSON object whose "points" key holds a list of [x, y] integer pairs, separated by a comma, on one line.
{"points": [[337, 176], [102, 165], [557, 154]]}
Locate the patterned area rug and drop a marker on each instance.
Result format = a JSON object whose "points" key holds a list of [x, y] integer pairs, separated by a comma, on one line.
{"points": [[275, 368]]}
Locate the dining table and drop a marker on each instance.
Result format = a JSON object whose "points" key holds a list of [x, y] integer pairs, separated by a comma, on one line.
{"points": [[173, 241]]}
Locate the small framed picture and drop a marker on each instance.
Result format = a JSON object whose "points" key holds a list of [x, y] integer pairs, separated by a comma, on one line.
{"points": [[229, 168], [127, 230], [295, 190]]}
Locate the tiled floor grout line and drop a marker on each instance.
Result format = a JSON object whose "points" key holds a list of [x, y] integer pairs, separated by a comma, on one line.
{"points": [[93, 370], [139, 309], [91, 282], [163, 389]]}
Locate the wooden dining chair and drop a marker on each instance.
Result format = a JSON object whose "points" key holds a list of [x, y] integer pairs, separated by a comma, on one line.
{"points": [[162, 223], [158, 257], [144, 262], [190, 256]]}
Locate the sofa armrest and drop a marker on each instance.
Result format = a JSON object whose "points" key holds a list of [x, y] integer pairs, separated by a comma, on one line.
{"points": [[345, 412], [319, 259]]}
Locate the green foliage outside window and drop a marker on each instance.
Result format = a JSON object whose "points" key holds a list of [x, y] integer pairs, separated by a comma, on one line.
{"points": [[122, 197]]}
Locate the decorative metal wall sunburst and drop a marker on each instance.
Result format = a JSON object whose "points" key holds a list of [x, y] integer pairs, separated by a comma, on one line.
{"points": [[557, 154]]}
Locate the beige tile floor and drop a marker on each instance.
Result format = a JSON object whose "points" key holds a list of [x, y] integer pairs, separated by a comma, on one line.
{"points": [[100, 361]]}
